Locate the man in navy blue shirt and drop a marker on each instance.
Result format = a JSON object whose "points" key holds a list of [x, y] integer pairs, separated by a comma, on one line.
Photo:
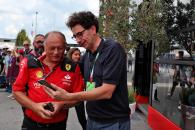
{"points": [[105, 76]]}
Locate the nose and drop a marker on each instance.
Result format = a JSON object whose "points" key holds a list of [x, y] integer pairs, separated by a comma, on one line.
{"points": [[56, 51], [78, 56]]}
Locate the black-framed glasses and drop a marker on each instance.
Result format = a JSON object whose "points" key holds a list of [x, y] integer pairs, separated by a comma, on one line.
{"points": [[78, 35]]}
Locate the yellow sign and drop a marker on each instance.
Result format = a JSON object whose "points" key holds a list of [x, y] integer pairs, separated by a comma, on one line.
{"points": [[68, 67], [39, 74]]}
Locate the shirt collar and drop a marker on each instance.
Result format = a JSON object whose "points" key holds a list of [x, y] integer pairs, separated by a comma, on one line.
{"points": [[99, 48], [41, 58]]}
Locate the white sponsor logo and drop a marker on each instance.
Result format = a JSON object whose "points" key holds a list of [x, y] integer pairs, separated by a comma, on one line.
{"points": [[67, 77], [37, 85]]}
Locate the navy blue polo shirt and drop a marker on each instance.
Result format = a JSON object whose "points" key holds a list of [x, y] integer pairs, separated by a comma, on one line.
{"points": [[110, 68]]}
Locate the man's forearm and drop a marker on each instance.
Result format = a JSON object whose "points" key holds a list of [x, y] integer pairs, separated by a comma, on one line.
{"points": [[69, 104], [24, 100], [103, 92]]}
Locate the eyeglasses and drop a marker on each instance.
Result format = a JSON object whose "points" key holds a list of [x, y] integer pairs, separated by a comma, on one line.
{"points": [[78, 35]]}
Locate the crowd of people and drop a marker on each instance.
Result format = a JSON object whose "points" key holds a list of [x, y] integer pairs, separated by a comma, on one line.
{"points": [[9, 60], [50, 78]]}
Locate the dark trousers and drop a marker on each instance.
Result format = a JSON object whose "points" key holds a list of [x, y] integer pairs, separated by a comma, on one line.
{"points": [[156, 95], [120, 125], [80, 110], [29, 124]]}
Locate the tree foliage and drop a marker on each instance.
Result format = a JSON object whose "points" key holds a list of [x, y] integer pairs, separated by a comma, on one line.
{"points": [[179, 17], [147, 23], [21, 37], [158, 20], [114, 20]]}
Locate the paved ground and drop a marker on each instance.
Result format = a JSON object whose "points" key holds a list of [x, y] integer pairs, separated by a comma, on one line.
{"points": [[11, 116]]}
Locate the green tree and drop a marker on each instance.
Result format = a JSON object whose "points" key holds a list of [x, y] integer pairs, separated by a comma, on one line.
{"points": [[114, 20], [169, 14], [147, 23], [178, 17], [184, 20], [21, 37]]}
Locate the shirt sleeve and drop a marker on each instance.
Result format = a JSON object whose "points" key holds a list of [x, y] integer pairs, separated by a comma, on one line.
{"points": [[113, 64], [78, 84], [21, 80]]}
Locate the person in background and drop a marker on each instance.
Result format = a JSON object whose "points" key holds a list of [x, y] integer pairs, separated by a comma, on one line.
{"points": [[1, 60], [179, 76], [26, 49], [13, 70], [3, 82], [42, 112], [105, 76], [7, 62], [74, 54], [129, 62], [154, 76], [38, 45]]}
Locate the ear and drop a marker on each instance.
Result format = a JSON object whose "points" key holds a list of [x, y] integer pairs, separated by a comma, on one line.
{"points": [[93, 28]]}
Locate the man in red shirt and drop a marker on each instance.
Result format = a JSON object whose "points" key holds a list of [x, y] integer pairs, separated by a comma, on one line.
{"points": [[55, 69]]}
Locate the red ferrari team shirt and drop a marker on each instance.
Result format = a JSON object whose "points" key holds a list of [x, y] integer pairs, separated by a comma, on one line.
{"points": [[30, 75]]}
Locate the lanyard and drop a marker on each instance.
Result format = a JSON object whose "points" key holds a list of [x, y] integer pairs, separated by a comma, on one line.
{"points": [[92, 69], [43, 69]]}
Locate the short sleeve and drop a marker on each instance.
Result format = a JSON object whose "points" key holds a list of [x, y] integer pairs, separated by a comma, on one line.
{"points": [[113, 64], [22, 78]]}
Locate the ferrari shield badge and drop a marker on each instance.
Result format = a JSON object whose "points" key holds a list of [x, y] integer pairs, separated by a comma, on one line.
{"points": [[68, 67]]}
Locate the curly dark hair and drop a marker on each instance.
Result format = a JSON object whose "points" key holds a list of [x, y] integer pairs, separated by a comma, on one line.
{"points": [[85, 18]]}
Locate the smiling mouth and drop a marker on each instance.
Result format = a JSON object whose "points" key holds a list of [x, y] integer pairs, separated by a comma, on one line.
{"points": [[83, 43]]}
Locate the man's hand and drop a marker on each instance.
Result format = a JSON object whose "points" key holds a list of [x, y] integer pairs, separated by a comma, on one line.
{"points": [[43, 113], [59, 94], [57, 106]]}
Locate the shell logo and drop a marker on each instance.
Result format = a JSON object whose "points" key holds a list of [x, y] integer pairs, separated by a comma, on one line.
{"points": [[39, 74]]}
